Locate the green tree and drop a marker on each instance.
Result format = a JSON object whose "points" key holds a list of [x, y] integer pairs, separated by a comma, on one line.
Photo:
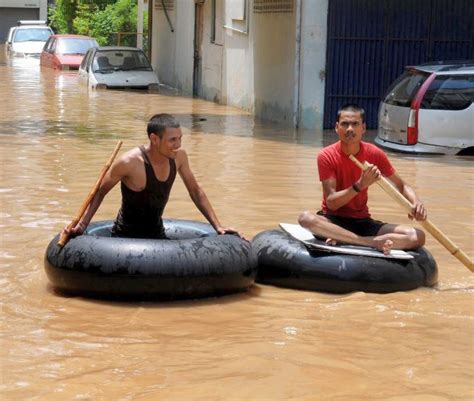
{"points": [[62, 15], [101, 19]]}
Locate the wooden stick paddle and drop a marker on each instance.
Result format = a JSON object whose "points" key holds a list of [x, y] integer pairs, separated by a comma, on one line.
{"points": [[65, 237], [427, 224]]}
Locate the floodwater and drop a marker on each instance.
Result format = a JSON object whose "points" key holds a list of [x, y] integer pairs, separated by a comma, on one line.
{"points": [[268, 344]]}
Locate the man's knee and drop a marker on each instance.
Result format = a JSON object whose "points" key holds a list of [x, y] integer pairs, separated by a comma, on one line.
{"points": [[416, 237], [419, 237], [306, 219]]}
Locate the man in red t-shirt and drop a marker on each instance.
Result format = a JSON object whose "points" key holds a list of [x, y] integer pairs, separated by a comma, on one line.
{"points": [[344, 216]]}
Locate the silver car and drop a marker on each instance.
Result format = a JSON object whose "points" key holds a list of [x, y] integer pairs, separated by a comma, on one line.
{"points": [[429, 109], [112, 67]]}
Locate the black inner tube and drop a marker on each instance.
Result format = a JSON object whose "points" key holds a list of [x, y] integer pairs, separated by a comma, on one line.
{"points": [[195, 262]]}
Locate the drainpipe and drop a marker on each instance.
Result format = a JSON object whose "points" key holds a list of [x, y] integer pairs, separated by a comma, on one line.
{"points": [[296, 92], [150, 28], [140, 24]]}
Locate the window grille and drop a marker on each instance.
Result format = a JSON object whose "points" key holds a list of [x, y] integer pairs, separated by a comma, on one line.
{"points": [[169, 4], [273, 6]]}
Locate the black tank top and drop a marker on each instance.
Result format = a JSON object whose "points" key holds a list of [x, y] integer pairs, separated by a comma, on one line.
{"points": [[140, 213]]}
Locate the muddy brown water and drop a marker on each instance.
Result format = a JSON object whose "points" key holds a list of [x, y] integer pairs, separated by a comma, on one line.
{"points": [[268, 344]]}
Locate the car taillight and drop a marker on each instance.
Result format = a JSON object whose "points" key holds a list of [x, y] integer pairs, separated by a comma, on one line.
{"points": [[412, 126], [412, 129]]}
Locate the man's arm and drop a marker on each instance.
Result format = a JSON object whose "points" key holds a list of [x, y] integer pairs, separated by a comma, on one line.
{"points": [[111, 178], [418, 211], [336, 199], [198, 195]]}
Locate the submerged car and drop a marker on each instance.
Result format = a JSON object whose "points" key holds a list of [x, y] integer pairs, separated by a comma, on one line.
{"points": [[113, 67], [66, 52], [429, 109], [28, 40]]}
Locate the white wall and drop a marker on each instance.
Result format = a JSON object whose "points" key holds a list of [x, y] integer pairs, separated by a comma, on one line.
{"points": [[42, 5], [164, 46], [313, 63], [254, 68], [274, 46], [185, 48], [254, 65], [212, 70]]}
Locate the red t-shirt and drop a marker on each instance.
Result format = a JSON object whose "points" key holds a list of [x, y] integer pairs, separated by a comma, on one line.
{"points": [[333, 163]]}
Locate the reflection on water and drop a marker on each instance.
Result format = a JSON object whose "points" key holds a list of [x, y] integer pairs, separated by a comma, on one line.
{"points": [[270, 343]]}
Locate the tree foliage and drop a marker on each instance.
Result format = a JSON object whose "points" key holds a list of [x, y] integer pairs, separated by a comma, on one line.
{"points": [[101, 19]]}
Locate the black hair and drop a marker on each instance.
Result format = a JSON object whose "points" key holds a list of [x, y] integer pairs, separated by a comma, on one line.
{"points": [[159, 122], [352, 107]]}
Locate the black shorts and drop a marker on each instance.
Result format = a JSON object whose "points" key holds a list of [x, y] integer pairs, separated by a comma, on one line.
{"points": [[364, 227]]}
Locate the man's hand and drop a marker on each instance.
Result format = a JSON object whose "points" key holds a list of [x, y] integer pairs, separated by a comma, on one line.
{"points": [[369, 176], [418, 212], [74, 231], [229, 230]]}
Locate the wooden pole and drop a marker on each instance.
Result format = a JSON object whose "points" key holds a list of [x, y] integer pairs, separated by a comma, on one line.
{"points": [[65, 237], [427, 224]]}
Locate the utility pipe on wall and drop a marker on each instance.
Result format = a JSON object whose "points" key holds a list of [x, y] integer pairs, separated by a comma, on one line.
{"points": [[296, 92], [140, 24]]}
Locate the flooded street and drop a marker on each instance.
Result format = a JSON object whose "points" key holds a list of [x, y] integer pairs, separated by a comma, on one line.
{"points": [[268, 344]]}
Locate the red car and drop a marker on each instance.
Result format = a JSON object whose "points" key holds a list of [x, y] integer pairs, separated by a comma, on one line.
{"points": [[65, 52]]}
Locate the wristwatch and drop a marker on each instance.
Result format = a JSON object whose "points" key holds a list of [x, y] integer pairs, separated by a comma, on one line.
{"points": [[355, 187]]}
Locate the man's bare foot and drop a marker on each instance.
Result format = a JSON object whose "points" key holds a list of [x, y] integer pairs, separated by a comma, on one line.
{"points": [[384, 246], [331, 242]]}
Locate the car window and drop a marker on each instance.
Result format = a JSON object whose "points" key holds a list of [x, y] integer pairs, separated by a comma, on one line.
{"points": [[404, 89], [47, 44], [85, 61], [51, 46], [34, 35], [10, 34], [449, 93], [117, 60], [75, 46]]}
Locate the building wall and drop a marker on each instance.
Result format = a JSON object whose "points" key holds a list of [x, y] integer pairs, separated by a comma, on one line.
{"points": [[13, 10], [256, 62], [212, 53], [313, 63], [172, 46], [274, 50]]}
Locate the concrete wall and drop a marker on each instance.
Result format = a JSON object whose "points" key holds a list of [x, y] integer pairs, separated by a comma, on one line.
{"points": [[270, 64], [254, 67], [274, 47], [172, 51], [40, 5], [313, 63], [13, 10], [212, 68]]}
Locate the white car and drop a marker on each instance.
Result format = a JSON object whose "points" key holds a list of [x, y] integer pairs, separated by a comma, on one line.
{"points": [[112, 67], [27, 40], [430, 109]]}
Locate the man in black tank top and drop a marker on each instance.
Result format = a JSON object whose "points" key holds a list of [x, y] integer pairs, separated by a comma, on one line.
{"points": [[146, 176]]}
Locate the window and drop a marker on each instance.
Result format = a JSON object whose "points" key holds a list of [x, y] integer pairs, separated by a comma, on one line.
{"points": [[32, 35], [75, 46], [85, 61], [404, 89], [455, 92]]}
